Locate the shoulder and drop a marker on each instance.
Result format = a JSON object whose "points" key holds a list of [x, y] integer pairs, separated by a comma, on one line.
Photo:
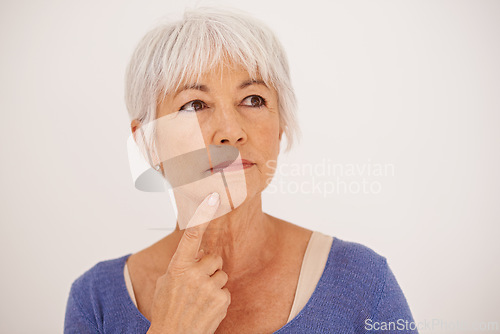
{"points": [[102, 273], [356, 272], [97, 285], [368, 279], [353, 256]]}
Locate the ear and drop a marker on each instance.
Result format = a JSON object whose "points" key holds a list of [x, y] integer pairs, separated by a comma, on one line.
{"points": [[279, 142], [134, 126]]}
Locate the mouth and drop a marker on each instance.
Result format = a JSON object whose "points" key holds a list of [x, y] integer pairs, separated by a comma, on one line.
{"points": [[229, 166]]}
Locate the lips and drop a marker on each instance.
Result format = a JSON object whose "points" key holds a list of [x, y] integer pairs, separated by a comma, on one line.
{"points": [[232, 165]]}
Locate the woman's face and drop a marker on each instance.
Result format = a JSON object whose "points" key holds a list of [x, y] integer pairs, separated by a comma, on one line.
{"points": [[228, 109]]}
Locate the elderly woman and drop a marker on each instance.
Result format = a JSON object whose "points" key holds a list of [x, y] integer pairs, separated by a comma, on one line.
{"points": [[210, 98]]}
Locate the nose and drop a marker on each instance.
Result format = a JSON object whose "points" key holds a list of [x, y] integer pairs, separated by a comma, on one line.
{"points": [[229, 129]]}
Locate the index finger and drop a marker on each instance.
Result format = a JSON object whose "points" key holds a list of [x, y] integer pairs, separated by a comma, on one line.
{"points": [[190, 242]]}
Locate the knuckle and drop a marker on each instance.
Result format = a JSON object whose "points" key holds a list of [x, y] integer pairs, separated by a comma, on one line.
{"points": [[175, 270], [227, 296], [213, 259], [218, 260], [191, 233], [186, 276], [224, 276]]}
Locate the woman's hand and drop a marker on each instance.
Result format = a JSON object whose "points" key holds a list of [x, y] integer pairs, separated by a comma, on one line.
{"points": [[190, 297]]}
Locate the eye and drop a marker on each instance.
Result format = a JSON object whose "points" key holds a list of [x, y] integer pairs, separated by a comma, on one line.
{"points": [[255, 101], [194, 105]]}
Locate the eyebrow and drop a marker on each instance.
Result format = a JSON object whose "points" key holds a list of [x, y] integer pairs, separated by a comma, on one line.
{"points": [[204, 88], [252, 82]]}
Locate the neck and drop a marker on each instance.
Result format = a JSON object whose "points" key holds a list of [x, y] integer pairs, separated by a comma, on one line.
{"points": [[246, 238]]}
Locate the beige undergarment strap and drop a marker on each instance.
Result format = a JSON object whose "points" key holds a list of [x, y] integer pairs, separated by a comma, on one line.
{"points": [[313, 264], [128, 283]]}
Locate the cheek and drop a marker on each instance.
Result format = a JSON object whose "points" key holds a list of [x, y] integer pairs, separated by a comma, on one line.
{"points": [[268, 145], [172, 133], [268, 135]]}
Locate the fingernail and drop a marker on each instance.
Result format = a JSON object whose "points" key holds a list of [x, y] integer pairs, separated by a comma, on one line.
{"points": [[213, 199]]}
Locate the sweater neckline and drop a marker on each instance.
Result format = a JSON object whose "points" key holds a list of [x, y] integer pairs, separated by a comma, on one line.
{"points": [[314, 296]]}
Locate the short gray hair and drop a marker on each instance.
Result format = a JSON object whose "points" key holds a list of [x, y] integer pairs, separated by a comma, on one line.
{"points": [[174, 52]]}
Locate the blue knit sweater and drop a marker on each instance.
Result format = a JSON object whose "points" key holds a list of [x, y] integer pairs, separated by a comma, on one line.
{"points": [[357, 293]]}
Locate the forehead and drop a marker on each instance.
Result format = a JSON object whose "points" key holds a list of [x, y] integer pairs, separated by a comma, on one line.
{"points": [[222, 72]]}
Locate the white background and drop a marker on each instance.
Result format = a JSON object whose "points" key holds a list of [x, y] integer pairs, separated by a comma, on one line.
{"points": [[414, 84]]}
